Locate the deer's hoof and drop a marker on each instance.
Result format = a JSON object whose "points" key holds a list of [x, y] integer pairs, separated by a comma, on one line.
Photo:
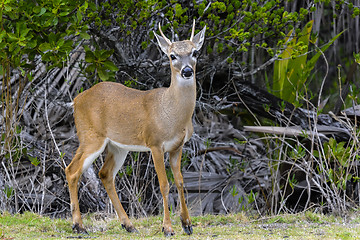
{"points": [[130, 229], [186, 225], [168, 232], [188, 229], [78, 229]]}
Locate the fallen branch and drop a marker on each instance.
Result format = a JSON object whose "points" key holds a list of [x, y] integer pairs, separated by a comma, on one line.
{"points": [[213, 149]]}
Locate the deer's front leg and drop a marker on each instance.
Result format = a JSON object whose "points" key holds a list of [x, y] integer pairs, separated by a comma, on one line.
{"points": [[158, 158], [175, 163]]}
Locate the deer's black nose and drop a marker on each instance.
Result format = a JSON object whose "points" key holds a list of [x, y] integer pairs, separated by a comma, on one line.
{"points": [[187, 72]]}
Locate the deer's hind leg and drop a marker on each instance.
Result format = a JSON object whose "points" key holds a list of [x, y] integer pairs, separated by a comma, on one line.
{"points": [[84, 157], [114, 160]]}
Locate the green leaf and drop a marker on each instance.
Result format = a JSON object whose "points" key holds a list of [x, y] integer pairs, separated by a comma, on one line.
{"points": [[44, 47], [62, 14], [34, 161], [55, 21], [84, 7], [48, 23], [103, 74], [281, 67], [295, 79], [9, 191], [42, 11], [21, 44], [24, 30], [91, 68], [84, 35], [87, 48], [14, 48], [111, 66], [12, 37], [89, 57], [67, 46], [2, 35], [60, 42], [97, 53], [52, 39], [311, 63], [8, 8], [2, 45], [79, 16], [105, 54]]}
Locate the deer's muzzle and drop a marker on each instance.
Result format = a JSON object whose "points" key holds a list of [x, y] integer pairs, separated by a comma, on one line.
{"points": [[187, 72]]}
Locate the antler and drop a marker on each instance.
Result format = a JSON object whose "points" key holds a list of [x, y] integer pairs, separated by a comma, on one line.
{"points": [[162, 34], [192, 31]]}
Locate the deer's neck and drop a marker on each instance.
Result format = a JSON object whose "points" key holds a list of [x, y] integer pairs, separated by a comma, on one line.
{"points": [[180, 98]]}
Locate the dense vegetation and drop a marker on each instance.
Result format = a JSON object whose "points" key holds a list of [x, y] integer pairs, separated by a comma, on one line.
{"points": [[299, 58]]}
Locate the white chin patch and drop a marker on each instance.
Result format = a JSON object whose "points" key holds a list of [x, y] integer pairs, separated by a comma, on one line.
{"points": [[185, 81]]}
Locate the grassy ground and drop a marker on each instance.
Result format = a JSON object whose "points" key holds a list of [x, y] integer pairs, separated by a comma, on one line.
{"points": [[236, 226]]}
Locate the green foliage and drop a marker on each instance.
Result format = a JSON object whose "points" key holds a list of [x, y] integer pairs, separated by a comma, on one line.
{"points": [[339, 158], [293, 181], [17, 150], [207, 143], [185, 159], [100, 64], [40, 27], [232, 25], [34, 160], [333, 164], [47, 29], [292, 69], [251, 198], [130, 83], [313, 217], [298, 152], [233, 191], [357, 57], [128, 170], [9, 191]]}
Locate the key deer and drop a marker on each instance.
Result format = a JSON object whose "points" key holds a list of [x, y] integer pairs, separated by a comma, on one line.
{"points": [[120, 119]]}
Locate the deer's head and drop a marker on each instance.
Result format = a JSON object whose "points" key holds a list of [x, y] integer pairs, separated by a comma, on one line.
{"points": [[183, 54]]}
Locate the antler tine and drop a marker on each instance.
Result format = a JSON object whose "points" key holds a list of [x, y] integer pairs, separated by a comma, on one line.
{"points": [[162, 34], [192, 31]]}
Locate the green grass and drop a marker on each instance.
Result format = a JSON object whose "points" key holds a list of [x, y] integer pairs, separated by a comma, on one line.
{"points": [[308, 225]]}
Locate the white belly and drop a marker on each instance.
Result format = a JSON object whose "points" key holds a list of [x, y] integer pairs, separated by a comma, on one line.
{"points": [[120, 153], [133, 148], [167, 146]]}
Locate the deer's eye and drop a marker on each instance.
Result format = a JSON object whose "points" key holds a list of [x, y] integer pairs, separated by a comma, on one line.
{"points": [[172, 56], [195, 54]]}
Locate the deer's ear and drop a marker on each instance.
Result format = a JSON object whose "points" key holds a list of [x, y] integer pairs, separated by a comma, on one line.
{"points": [[198, 39], [163, 43]]}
